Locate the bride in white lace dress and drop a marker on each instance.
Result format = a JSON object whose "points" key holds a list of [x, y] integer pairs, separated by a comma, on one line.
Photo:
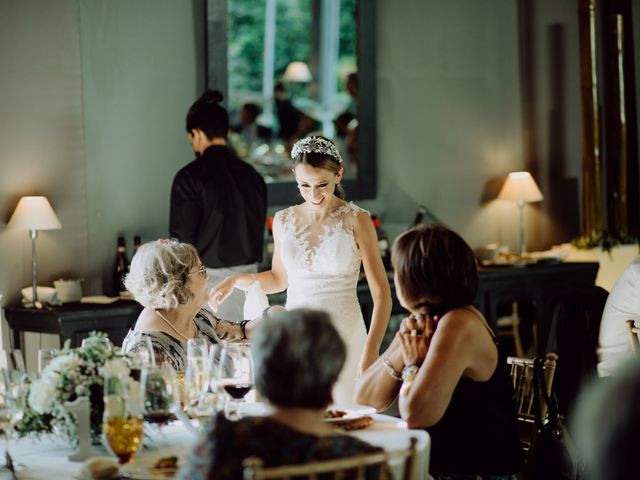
{"points": [[319, 246]]}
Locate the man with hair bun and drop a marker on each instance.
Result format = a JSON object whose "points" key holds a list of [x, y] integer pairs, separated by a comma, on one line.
{"points": [[218, 202]]}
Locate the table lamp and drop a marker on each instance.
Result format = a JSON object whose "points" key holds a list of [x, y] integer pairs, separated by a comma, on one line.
{"points": [[521, 188], [34, 213], [297, 72]]}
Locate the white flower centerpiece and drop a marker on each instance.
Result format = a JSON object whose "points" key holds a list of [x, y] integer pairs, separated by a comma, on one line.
{"points": [[73, 373]]}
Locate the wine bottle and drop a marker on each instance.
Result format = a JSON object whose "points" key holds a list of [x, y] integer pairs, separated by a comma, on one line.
{"points": [[120, 267], [419, 215], [136, 245], [383, 242]]}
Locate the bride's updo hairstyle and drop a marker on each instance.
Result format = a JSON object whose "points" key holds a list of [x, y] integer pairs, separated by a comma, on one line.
{"points": [[319, 152], [208, 115], [435, 268]]}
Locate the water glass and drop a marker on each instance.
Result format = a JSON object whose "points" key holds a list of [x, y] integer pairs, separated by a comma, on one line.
{"points": [[122, 421]]}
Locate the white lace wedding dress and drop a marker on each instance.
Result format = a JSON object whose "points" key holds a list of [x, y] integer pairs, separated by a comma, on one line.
{"points": [[322, 263]]}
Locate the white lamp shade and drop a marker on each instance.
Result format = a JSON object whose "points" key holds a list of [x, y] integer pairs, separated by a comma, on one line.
{"points": [[520, 187], [34, 213], [297, 72]]}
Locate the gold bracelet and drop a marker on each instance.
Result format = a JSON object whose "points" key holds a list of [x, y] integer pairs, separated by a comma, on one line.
{"points": [[397, 376]]}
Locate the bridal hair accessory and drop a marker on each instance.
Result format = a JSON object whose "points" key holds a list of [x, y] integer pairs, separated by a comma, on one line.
{"points": [[172, 242], [315, 145]]}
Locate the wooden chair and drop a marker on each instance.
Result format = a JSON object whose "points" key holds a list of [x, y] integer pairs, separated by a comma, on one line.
{"points": [[510, 326], [354, 467], [524, 393], [633, 337]]}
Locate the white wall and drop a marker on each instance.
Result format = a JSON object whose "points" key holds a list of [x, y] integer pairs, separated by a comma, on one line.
{"points": [[142, 67], [449, 117], [41, 139]]}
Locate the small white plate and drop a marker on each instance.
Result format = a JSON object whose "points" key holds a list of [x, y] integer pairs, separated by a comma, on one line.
{"points": [[352, 412]]}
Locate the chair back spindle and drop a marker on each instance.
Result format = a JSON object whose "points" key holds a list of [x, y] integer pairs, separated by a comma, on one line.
{"points": [[353, 467], [633, 337]]}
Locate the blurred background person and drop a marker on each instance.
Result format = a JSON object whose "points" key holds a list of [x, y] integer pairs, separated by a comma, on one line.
{"points": [[248, 128], [606, 425], [623, 303], [298, 356], [218, 202], [288, 115]]}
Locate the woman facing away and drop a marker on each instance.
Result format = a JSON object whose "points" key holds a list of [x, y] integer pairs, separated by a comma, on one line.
{"points": [[444, 362], [168, 279], [297, 356], [319, 247]]}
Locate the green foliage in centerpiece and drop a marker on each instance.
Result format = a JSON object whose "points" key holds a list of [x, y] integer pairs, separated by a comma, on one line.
{"points": [[71, 374]]}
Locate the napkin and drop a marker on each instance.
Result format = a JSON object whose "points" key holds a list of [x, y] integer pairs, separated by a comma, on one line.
{"points": [[255, 301], [45, 295]]}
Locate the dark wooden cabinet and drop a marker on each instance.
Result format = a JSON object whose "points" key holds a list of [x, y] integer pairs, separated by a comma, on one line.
{"points": [[540, 284], [74, 321]]}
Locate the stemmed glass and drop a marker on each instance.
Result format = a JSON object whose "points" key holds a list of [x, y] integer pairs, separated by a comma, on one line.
{"points": [[196, 378], [236, 373], [11, 392], [159, 394], [45, 355], [122, 421]]}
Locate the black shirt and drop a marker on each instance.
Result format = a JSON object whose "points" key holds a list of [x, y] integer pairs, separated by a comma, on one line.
{"points": [[218, 204]]}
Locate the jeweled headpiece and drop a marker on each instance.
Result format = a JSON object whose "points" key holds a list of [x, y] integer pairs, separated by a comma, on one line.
{"points": [[315, 145]]}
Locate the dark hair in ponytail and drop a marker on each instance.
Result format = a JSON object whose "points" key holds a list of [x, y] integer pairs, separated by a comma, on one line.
{"points": [[324, 161], [208, 115]]}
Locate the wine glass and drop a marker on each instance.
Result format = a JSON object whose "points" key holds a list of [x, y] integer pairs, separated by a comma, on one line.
{"points": [[236, 373], [11, 392], [45, 355], [122, 423], [159, 394]]}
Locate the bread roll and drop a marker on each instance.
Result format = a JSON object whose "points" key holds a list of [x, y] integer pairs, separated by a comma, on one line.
{"points": [[100, 468]]}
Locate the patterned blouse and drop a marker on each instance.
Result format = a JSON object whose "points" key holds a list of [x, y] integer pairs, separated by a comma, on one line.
{"points": [[220, 452], [168, 349]]}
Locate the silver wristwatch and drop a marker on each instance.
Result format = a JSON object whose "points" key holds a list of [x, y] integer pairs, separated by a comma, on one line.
{"points": [[409, 371]]}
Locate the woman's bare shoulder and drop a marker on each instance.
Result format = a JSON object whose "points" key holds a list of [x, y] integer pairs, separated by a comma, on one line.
{"points": [[462, 322]]}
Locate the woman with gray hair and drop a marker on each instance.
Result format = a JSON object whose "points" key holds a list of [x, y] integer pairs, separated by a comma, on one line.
{"points": [[168, 279], [298, 356]]}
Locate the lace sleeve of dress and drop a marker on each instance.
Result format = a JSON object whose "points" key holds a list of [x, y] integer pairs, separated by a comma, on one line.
{"points": [[284, 218], [351, 212]]}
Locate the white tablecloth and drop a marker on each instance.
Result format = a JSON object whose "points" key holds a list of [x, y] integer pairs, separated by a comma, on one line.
{"points": [[46, 458]]}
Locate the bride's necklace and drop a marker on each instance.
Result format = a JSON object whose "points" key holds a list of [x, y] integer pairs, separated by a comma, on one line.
{"points": [[174, 328]]}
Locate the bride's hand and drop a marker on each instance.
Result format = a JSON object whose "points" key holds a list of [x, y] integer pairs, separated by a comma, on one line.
{"points": [[220, 292]]}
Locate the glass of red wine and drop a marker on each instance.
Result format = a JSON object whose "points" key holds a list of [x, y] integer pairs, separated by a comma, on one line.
{"points": [[159, 394], [236, 374]]}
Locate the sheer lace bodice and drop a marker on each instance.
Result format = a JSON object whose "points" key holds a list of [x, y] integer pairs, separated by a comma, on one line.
{"points": [[322, 261]]}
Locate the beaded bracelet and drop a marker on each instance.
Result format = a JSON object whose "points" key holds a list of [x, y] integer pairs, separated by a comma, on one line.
{"points": [[390, 370]]}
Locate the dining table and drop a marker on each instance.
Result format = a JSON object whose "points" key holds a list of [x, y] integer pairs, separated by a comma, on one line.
{"points": [[46, 456]]}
